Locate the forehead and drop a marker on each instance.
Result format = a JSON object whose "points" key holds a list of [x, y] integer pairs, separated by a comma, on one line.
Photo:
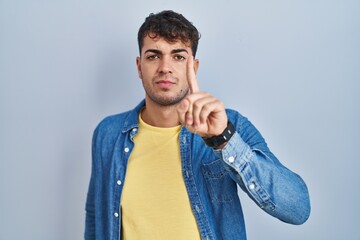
{"points": [[163, 45]]}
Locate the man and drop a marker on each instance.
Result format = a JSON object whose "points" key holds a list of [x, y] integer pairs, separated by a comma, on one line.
{"points": [[169, 168]]}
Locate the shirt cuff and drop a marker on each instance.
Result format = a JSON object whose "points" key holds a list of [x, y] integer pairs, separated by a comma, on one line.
{"points": [[238, 155], [235, 153]]}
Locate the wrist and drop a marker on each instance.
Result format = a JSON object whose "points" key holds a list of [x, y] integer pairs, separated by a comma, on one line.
{"points": [[219, 141]]}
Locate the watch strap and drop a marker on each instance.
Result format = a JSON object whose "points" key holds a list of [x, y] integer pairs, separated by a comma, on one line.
{"points": [[217, 141]]}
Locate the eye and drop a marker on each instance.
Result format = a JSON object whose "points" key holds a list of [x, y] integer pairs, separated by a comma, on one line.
{"points": [[152, 57], [179, 58]]}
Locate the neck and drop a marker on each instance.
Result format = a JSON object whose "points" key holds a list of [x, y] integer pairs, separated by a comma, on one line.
{"points": [[160, 116]]}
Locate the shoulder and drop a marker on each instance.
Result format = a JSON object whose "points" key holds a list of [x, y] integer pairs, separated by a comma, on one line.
{"points": [[235, 117], [111, 125], [243, 125], [113, 121]]}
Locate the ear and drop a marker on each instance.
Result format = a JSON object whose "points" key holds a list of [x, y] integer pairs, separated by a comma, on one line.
{"points": [[138, 65], [196, 65]]}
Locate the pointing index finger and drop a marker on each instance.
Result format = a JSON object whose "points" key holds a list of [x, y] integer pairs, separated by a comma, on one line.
{"points": [[191, 76]]}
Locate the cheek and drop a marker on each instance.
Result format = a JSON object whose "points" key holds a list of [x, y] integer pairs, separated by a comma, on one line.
{"points": [[143, 73], [147, 71], [184, 79]]}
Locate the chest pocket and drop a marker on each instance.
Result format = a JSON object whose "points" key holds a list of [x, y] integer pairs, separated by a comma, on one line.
{"points": [[220, 185]]}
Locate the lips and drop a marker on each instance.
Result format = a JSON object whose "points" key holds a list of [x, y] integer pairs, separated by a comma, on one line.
{"points": [[165, 83]]}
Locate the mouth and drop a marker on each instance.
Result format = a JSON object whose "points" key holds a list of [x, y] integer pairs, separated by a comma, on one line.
{"points": [[165, 83]]}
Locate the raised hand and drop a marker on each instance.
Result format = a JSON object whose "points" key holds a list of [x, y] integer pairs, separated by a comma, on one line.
{"points": [[201, 112]]}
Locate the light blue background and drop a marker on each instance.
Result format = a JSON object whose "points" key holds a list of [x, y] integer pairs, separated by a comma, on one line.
{"points": [[292, 67]]}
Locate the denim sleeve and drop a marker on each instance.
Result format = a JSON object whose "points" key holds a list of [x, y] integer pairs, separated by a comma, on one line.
{"points": [[274, 188], [90, 214], [90, 205]]}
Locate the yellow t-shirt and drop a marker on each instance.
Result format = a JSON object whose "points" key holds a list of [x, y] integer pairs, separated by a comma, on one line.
{"points": [[154, 201]]}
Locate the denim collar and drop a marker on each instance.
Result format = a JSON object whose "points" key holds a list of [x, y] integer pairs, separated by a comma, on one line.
{"points": [[132, 119]]}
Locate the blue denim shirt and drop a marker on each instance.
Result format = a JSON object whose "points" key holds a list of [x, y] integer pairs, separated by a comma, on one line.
{"points": [[210, 176]]}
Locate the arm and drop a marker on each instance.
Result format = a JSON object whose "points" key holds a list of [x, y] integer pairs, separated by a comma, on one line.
{"points": [[90, 214], [277, 190], [90, 206], [273, 187]]}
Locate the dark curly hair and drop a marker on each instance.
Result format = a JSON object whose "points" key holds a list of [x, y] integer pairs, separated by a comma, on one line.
{"points": [[171, 26]]}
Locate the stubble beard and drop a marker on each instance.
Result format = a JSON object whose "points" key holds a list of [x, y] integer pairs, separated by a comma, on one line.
{"points": [[163, 100]]}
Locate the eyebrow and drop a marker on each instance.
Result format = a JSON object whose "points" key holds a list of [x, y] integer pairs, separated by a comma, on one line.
{"points": [[178, 50]]}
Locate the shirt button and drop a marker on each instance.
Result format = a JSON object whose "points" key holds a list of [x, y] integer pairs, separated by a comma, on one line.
{"points": [[126, 149], [134, 130], [118, 182], [116, 214], [231, 159], [252, 186], [197, 208]]}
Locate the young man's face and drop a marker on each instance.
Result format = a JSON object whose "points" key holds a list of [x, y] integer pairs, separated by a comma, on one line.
{"points": [[162, 69]]}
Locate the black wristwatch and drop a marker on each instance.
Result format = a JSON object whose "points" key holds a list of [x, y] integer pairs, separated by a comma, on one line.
{"points": [[217, 141]]}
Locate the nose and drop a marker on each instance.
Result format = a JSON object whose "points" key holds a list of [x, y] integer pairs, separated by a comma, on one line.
{"points": [[165, 65]]}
